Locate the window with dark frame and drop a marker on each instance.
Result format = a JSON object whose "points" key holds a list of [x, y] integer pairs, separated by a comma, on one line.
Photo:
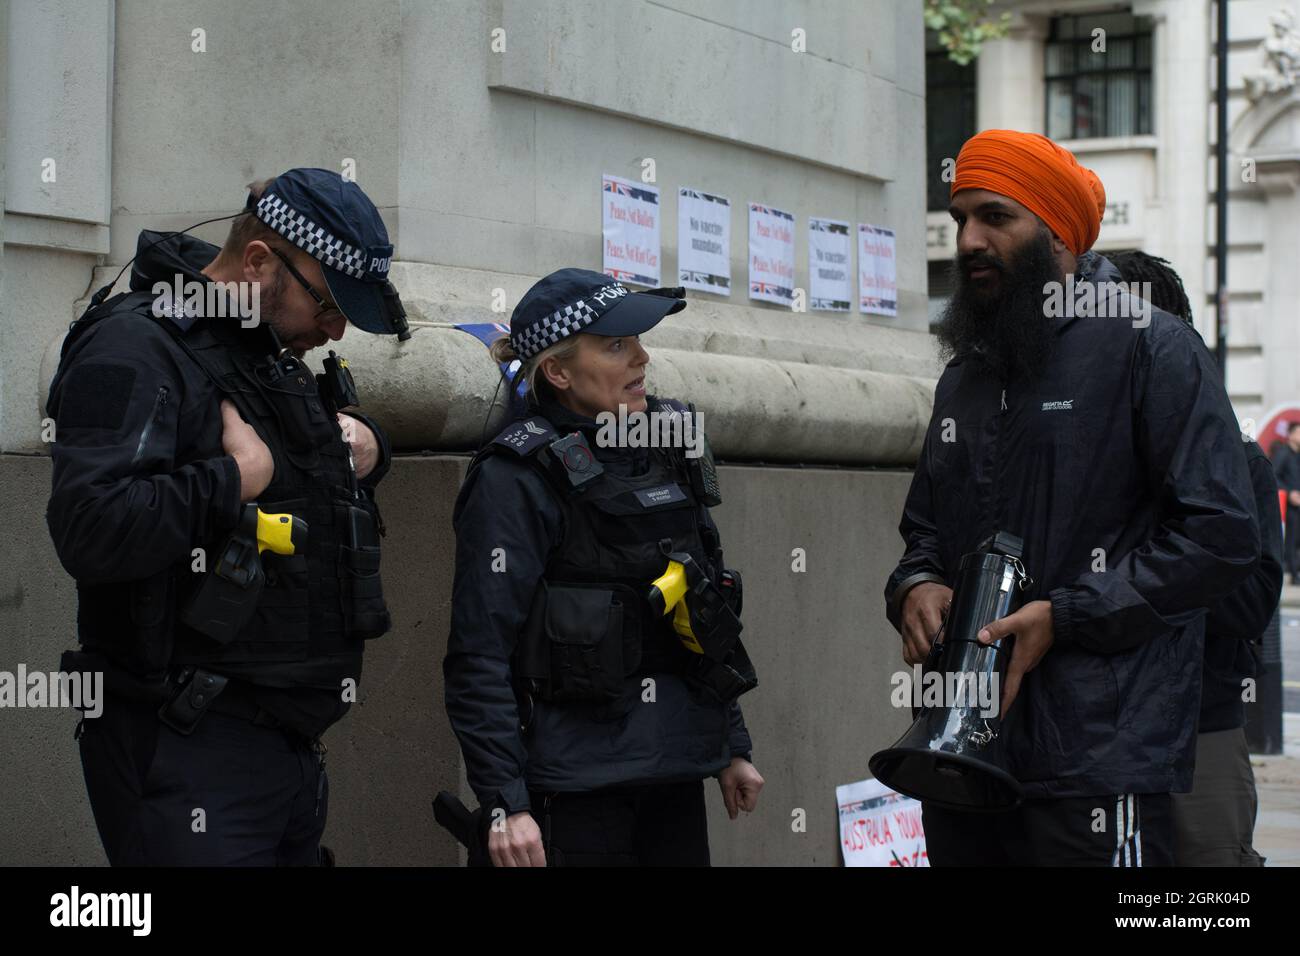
{"points": [[1091, 93], [941, 274], [949, 116]]}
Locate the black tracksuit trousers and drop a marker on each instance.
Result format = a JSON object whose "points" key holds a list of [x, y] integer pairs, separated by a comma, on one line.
{"points": [[1123, 830]]}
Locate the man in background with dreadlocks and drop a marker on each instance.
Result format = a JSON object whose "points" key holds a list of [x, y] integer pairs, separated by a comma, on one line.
{"points": [[1214, 823]]}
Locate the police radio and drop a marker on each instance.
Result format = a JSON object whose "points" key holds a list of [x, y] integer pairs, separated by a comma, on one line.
{"points": [[703, 470], [336, 384]]}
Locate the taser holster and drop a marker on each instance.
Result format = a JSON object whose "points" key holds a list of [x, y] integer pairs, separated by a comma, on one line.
{"points": [[707, 621], [227, 597]]}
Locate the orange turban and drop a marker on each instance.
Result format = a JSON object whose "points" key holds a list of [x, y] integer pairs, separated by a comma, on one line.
{"points": [[1043, 177]]}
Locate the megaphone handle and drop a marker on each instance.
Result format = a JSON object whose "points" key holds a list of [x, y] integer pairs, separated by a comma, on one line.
{"points": [[936, 648]]}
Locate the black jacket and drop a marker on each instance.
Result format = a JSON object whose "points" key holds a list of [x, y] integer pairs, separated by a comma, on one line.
{"points": [[1287, 469], [1121, 468], [506, 503], [140, 476], [1239, 620], [1281, 454]]}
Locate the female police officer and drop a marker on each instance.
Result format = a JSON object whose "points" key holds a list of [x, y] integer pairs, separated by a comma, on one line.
{"points": [[577, 705]]}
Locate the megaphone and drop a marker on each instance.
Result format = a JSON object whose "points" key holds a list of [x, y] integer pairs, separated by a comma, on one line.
{"points": [[953, 756]]}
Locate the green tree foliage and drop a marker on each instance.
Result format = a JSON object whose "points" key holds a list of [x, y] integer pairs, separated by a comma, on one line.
{"points": [[963, 26]]}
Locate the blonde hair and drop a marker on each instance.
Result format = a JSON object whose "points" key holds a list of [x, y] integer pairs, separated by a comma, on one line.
{"points": [[538, 386]]}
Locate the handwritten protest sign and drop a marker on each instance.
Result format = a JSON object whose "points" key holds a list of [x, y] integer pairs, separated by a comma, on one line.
{"points": [[879, 827]]}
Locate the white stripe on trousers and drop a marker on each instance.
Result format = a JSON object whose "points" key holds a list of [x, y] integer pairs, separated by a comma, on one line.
{"points": [[1135, 805], [1128, 831], [1119, 831]]}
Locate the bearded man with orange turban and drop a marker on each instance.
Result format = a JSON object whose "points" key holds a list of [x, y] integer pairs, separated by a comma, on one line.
{"points": [[1096, 429]]}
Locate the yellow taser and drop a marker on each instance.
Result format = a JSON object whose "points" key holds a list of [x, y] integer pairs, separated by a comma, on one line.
{"points": [[281, 533], [668, 593]]}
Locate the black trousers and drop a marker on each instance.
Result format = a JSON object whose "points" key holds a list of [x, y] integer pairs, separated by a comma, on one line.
{"points": [[652, 825], [1124, 830], [1214, 825], [232, 793]]}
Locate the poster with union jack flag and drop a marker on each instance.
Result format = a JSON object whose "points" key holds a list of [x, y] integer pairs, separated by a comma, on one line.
{"points": [[771, 254], [877, 270], [630, 230]]}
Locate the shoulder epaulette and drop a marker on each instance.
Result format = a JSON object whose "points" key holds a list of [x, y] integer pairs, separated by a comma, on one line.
{"points": [[569, 463], [526, 437]]}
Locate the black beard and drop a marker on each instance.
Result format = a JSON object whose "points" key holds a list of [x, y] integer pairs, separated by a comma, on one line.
{"points": [[1007, 333], [270, 302]]}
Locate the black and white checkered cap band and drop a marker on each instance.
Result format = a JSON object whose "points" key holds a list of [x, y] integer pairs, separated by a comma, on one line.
{"points": [[556, 326], [311, 238]]}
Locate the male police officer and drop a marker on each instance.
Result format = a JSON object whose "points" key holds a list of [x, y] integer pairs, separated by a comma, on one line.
{"points": [[223, 666]]}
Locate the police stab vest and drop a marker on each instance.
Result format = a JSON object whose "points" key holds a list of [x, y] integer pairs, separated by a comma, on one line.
{"points": [[591, 627], [319, 604]]}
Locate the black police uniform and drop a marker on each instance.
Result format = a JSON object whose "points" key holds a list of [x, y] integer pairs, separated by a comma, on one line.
{"points": [[1127, 443], [231, 772], [549, 610]]}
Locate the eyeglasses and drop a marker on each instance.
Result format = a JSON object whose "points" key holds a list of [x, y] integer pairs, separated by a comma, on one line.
{"points": [[323, 313]]}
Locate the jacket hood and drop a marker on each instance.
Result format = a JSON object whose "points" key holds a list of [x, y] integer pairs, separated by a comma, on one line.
{"points": [[1095, 269], [161, 256]]}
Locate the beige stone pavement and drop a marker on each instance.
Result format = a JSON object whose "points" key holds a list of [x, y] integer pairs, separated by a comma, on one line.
{"points": [[1277, 780]]}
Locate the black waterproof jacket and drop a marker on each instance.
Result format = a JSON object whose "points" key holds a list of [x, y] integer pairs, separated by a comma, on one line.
{"points": [[1121, 468], [506, 502], [140, 476], [1238, 621]]}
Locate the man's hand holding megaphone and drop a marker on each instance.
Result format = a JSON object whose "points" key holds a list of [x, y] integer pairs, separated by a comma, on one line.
{"points": [[1032, 626], [924, 608]]}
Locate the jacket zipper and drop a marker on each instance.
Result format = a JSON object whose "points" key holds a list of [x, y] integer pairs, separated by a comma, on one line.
{"points": [[995, 496], [159, 403]]}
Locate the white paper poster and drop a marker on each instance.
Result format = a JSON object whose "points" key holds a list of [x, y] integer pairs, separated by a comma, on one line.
{"points": [[703, 241], [879, 827], [877, 272], [630, 227], [830, 265], [771, 254]]}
